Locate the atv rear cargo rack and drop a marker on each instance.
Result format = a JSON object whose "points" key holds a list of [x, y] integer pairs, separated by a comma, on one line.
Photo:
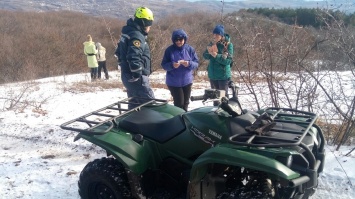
{"points": [[106, 116]]}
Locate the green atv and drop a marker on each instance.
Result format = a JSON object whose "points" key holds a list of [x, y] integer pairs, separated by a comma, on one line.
{"points": [[157, 150]]}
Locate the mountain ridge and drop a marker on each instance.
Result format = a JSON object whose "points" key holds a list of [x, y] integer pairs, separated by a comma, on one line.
{"points": [[124, 8]]}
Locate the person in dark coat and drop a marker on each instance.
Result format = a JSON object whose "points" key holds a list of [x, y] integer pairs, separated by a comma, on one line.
{"points": [[133, 54], [179, 61]]}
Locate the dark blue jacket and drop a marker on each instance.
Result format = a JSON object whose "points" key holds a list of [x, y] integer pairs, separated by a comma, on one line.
{"points": [[133, 51], [181, 76]]}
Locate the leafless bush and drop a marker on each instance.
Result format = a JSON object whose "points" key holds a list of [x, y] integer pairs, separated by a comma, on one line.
{"points": [[38, 45], [20, 99], [270, 52], [307, 59], [341, 40]]}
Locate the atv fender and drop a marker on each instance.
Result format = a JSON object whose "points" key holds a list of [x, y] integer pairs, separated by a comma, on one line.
{"points": [[235, 157], [136, 157], [240, 158]]}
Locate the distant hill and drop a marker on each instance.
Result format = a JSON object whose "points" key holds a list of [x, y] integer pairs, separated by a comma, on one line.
{"points": [[161, 8]]}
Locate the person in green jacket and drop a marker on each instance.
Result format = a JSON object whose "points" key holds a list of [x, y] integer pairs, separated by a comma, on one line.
{"points": [[219, 52], [90, 51]]}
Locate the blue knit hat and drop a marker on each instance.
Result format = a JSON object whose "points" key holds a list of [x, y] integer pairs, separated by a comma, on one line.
{"points": [[219, 30]]}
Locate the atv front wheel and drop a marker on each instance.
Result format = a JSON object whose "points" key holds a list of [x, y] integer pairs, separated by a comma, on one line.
{"points": [[248, 184], [104, 178]]}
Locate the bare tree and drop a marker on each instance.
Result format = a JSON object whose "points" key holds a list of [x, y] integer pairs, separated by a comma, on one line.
{"points": [[270, 53], [300, 66], [341, 39]]}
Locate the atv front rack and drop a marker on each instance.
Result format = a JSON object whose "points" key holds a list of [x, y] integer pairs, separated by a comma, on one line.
{"points": [[281, 115], [286, 138], [101, 121]]}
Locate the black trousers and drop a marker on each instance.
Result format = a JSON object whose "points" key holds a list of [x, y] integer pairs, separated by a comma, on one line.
{"points": [[181, 96], [93, 73], [220, 85], [102, 65]]}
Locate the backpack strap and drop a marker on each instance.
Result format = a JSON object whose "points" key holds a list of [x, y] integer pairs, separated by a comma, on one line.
{"points": [[225, 50]]}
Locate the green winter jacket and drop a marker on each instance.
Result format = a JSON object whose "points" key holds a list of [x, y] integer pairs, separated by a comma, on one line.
{"points": [[219, 66], [90, 52]]}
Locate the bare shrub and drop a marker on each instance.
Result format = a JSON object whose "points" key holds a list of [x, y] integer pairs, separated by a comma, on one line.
{"points": [[38, 45], [269, 52], [309, 58], [339, 55], [18, 100]]}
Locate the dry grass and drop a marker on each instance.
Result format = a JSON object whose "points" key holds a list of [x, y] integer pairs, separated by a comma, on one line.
{"points": [[329, 130], [86, 87]]}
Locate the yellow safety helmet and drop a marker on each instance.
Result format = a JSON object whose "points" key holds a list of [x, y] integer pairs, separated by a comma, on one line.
{"points": [[144, 13]]}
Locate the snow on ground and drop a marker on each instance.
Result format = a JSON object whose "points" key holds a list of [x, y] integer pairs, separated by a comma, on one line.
{"points": [[39, 160]]}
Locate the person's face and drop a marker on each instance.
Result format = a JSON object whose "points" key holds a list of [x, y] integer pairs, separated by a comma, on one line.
{"points": [[217, 38], [179, 42], [147, 29]]}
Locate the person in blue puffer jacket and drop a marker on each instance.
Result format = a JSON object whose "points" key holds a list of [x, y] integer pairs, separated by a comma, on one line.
{"points": [[179, 61]]}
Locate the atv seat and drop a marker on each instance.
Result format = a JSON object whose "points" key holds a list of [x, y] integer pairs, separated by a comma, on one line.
{"points": [[153, 125]]}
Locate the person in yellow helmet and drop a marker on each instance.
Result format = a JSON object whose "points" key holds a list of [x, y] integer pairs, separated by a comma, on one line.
{"points": [[133, 54]]}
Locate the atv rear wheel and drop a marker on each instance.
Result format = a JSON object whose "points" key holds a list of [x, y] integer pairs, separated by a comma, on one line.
{"points": [[104, 178]]}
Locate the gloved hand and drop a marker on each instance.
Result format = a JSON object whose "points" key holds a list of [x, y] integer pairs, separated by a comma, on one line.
{"points": [[135, 76], [133, 79]]}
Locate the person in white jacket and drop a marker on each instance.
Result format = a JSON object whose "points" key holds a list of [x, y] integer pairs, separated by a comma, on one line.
{"points": [[102, 60]]}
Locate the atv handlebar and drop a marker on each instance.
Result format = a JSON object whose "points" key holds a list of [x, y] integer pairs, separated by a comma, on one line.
{"points": [[209, 94], [196, 98], [215, 94], [234, 108]]}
